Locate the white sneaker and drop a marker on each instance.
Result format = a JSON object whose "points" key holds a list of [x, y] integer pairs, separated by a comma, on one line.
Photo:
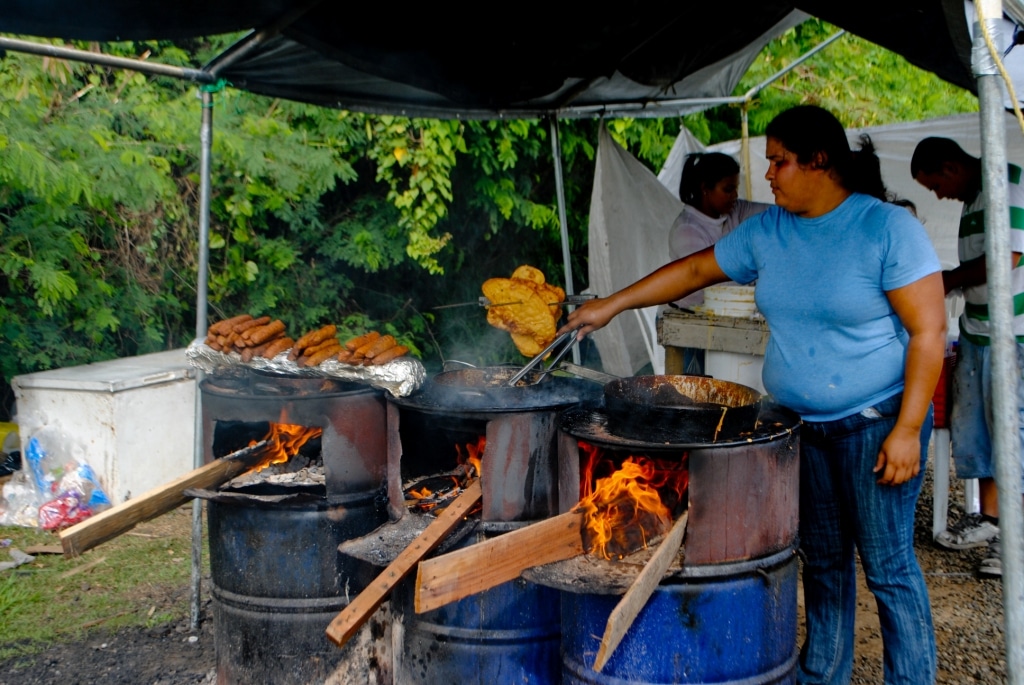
{"points": [[970, 531], [992, 564]]}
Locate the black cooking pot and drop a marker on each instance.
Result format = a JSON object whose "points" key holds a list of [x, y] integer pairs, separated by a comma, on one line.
{"points": [[687, 408], [692, 407], [485, 389]]}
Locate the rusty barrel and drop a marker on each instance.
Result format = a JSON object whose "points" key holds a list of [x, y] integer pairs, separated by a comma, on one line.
{"points": [[278, 581], [729, 624], [508, 634], [277, 576]]}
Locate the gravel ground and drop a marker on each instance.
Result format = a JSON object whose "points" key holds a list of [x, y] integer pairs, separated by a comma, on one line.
{"points": [[967, 610]]}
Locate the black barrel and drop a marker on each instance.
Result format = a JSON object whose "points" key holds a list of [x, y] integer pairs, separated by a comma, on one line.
{"points": [[278, 581]]}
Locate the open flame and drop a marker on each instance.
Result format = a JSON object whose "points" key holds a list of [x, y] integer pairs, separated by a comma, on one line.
{"points": [[471, 460], [625, 507], [447, 486], [284, 440]]}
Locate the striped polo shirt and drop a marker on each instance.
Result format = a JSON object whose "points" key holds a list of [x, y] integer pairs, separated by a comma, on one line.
{"points": [[974, 322]]}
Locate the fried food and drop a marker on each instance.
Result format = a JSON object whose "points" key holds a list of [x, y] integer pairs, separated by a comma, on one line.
{"points": [[387, 355], [360, 340], [533, 319]]}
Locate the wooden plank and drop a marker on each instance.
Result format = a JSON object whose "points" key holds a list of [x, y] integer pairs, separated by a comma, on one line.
{"points": [[720, 334], [349, 620], [465, 572], [635, 599], [160, 500]]}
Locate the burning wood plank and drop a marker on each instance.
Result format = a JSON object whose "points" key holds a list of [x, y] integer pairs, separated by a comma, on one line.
{"points": [[464, 572], [349, 620], [120, 519], [626, 611]]}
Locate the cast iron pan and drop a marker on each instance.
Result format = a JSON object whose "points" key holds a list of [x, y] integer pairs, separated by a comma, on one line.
{"points": [[691, 408]]}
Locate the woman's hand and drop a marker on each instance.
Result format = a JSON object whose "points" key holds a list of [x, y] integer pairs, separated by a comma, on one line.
{"points": [[899, 460], [590, 316], [921, 308], [667, 284]]}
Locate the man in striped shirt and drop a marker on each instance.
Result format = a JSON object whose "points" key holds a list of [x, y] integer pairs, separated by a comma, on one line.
{"points": [[943, 167]]}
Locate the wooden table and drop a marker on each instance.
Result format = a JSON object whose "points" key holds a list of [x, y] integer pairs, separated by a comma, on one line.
{"points": [[678, 329]]}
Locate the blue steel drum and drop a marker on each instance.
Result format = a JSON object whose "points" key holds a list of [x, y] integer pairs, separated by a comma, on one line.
{"points": [[508, 634], [728, 624]]}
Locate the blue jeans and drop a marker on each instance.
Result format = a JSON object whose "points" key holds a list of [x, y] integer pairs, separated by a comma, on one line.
{"points": [[843, 509]]}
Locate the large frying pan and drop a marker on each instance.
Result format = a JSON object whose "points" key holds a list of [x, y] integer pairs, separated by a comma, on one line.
{"points": [[486, 389], [690, 408]]}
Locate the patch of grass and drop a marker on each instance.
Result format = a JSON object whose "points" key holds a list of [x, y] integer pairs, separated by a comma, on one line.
{"points": [[141, 578]]}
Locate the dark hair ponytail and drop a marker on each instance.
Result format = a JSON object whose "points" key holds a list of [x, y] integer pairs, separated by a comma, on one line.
{"points": [[704, 170], [814, 135]]}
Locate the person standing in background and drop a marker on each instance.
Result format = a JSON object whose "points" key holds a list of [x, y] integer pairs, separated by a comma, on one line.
{"points": [[709, 189], [944, 168]]}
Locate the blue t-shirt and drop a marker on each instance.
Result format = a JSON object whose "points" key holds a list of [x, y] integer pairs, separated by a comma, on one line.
{"points": [[836, 346]]}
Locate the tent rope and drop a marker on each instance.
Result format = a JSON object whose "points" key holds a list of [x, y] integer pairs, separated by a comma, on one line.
{"points": [[999, 64], [217, 87]]}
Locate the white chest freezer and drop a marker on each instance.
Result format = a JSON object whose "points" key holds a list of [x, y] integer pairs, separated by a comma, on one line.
{"points": [[133, 418]]}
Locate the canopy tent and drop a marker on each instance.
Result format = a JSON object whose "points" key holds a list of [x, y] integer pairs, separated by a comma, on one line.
{"points": [[522, 64]]}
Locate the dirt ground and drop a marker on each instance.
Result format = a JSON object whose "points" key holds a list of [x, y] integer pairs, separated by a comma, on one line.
{"points": [[968, 618]]}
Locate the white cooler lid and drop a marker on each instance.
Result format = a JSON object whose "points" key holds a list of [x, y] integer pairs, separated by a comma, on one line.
{"points": [[114, 375]]}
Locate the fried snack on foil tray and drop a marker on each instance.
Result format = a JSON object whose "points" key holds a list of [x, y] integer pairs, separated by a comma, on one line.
{"points": [[527, 307]]}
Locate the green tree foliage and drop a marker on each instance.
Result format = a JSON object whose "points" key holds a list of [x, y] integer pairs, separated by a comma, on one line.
{"points": [[320, 215]]}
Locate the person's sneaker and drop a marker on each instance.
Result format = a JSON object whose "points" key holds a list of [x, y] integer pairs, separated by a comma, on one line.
{"points": [[992, 564], [970, 531]]}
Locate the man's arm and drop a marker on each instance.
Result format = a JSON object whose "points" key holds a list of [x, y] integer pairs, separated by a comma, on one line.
{"points": [[974, 272]]}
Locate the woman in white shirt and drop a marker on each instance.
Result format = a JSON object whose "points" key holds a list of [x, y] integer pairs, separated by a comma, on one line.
{"points": [[709, 187]]}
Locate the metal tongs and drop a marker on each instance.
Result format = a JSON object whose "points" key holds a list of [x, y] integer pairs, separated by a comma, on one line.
{"points": [[567, 339]]}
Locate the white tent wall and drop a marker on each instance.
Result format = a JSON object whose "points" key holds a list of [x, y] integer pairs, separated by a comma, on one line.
{"points": [[628, 239]]}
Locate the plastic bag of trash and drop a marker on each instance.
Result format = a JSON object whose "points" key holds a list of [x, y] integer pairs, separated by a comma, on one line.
{"points": [[66, 487], [21, 501], [66, 510], [79, 496], [81, 480]]}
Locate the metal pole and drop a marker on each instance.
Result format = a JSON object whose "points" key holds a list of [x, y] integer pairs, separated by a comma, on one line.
{"points": [[556, 155], [205, 146], [1005, 375], [154, 68], [748, 186]]}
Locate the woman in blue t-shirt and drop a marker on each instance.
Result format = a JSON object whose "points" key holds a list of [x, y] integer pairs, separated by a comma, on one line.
{"points": [[851, 289]]}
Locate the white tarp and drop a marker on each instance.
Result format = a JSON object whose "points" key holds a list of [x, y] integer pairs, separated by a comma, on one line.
{"points": [[630, 215], [632, 210]]}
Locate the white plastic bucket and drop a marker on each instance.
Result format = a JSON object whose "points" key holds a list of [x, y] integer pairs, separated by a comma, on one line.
{"points": [[730, 300]]}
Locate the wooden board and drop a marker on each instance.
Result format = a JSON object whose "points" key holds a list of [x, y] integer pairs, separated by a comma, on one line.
{"points": [[349, 620], [635, 599], [453, 576], [160, 500]]}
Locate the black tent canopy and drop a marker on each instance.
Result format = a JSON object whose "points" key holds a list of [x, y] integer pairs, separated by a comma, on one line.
{"points": [[454, 62]]}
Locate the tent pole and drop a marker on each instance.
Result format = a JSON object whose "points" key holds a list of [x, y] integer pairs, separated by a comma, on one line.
{"points": [[1004, 372], [748, 187], [205, 146], [556, 155]]}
